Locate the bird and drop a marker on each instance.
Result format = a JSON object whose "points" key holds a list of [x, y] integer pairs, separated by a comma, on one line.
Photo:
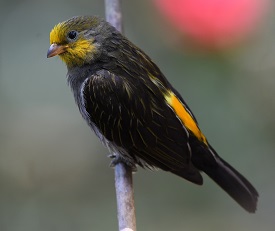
{"points": [[135, 111]]}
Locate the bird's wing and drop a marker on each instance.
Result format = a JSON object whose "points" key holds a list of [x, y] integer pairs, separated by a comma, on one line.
{"points": [[136, 117]]}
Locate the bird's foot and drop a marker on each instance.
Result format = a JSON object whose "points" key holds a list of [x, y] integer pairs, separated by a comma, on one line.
{"points": [[116, 159]]}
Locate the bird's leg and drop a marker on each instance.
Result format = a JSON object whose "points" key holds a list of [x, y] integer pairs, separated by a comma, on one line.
{"points": [[115, 159]]}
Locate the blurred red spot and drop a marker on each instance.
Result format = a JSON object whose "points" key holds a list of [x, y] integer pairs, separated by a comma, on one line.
{"points": [[214, 23]]}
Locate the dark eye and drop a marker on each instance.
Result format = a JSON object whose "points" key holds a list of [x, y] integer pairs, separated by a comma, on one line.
{"points": [[72, 35]]}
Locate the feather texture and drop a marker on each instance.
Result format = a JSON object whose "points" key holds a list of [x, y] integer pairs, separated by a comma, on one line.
{"points": [[135, 111]]}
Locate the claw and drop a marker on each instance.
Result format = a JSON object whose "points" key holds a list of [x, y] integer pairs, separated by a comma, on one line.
{"points": [[118, 159], [115, 160]]}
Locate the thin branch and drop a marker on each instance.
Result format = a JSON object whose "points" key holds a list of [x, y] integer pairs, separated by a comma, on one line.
{"points": [[125, 198], [113, 13], [123, 173]]}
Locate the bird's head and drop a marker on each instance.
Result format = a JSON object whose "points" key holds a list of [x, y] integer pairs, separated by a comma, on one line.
{"points": [[77, 40]]}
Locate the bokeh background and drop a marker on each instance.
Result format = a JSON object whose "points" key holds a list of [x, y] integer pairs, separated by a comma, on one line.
{"points": [[54, 173]]}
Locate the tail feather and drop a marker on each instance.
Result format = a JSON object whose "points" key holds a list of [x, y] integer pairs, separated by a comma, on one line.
{"points": [[229, 179], [235, 185]]}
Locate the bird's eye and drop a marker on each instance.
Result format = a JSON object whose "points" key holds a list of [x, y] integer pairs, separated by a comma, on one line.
{"points": [[72, 35]]}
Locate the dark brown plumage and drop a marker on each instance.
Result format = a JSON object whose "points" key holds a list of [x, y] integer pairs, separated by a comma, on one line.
{"points": [[134, 110]]}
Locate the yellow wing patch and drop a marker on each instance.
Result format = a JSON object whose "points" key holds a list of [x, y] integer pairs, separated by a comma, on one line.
{"points": [[183, 114]]}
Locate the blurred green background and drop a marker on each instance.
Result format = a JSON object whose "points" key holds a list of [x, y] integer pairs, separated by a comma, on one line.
{"points": [[54, 173]]}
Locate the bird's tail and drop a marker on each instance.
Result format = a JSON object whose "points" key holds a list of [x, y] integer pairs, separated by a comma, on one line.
{"points": [[229, 179]]}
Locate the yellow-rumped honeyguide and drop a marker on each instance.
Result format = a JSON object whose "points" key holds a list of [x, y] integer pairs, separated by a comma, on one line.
{"points": [[135, 111]]}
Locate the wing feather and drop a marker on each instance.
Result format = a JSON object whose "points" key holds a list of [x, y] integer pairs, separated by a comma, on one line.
{"points": [[135, 117]]}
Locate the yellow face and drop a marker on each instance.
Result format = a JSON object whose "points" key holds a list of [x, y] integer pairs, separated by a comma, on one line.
{"points": [[68, 40]]}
